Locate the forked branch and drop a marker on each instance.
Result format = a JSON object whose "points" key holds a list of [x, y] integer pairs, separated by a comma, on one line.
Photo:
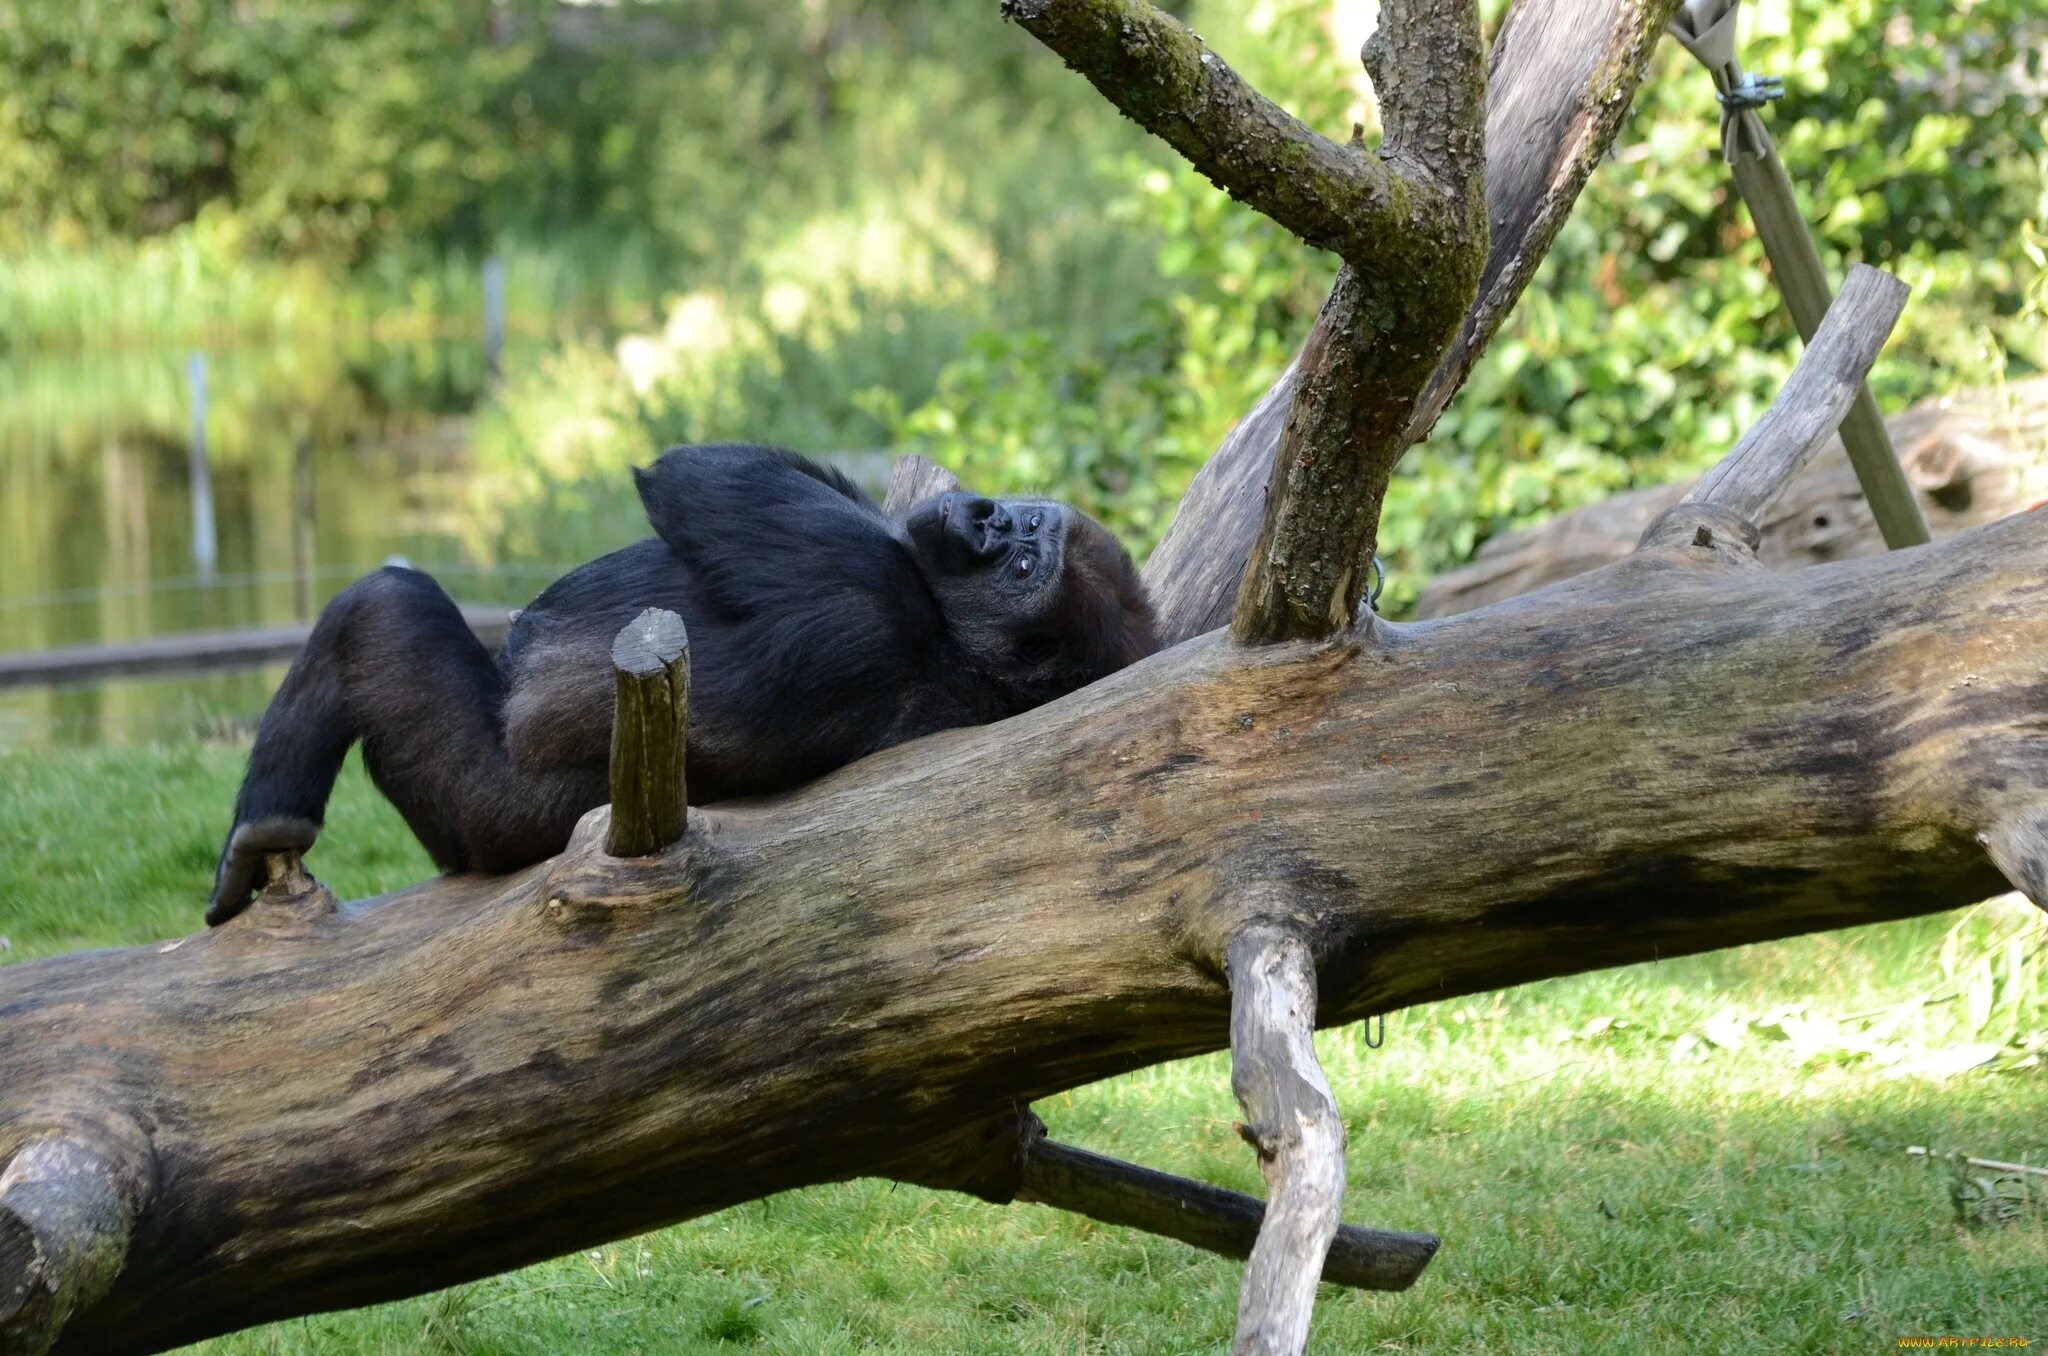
{"points": [[1291, 1119], [1557, 89], [1408, 220], [1337, 196]]}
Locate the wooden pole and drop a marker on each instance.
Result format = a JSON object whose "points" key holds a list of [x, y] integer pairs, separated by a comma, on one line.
{"points": [[1706, 28], [1207, 1216], [494, 317], [650, 734], [205, 548]]}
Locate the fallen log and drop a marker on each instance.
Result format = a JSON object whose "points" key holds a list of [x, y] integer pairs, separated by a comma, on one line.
{"points": [[347, 1103], [356, 1103], [1970, 458]]}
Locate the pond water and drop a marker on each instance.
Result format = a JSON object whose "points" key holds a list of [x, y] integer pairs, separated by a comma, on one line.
{"points": [[322, 463]]}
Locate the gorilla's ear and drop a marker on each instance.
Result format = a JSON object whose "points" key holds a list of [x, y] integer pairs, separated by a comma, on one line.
{"points": [[660, 496]]}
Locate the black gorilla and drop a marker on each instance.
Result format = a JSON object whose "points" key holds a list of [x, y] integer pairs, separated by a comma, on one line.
{"points": [[820, 628]]}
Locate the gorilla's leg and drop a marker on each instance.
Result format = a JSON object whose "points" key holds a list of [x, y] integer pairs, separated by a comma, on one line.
{"points": [[392, 662]]}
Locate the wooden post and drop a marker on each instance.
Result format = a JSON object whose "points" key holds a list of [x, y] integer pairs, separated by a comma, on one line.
{"points": [[650, 734], [205, 548], [1206, 1216]]}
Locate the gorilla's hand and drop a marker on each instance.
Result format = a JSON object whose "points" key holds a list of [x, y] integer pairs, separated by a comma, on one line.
{"points": [[240, 872]]}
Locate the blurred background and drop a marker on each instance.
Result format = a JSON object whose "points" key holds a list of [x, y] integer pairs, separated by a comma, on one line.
{"points": [[290, 286]]}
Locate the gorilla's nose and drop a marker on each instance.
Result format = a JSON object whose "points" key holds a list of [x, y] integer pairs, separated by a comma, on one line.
{"points": [[975, 522]]}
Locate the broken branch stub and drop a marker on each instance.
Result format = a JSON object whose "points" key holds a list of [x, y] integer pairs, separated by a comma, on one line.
{"points": [[68, 1203], [650, 734], [914, 479], [1292, 1121]]}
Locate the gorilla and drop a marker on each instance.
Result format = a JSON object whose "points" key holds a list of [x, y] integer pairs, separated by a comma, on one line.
{"points": [[821, 629]]}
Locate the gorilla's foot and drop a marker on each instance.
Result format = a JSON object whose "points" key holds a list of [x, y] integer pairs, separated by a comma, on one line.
{"points": [[265, 851]]}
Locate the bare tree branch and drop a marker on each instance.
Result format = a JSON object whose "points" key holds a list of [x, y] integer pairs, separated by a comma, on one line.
{"points": [[1409, 222], [1010, 1159], [1379, 336], [1972, 457], [1291, 1119], [1809, 409], [1339, 197]]}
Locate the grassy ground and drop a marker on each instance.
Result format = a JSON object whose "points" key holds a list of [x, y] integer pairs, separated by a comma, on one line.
{"points": [[1702, 1155]]}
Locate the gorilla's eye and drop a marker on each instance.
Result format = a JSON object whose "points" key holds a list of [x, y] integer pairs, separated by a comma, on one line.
{"points": [[1024, 565], [1036, 520]]}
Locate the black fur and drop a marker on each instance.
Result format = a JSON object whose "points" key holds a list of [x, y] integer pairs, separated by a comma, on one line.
{"points": [[820, 629]]}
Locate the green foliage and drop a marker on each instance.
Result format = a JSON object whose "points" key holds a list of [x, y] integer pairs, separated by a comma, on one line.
{"points": [[1119, 421], [855, 225], [1651, 336], [317, 125]]}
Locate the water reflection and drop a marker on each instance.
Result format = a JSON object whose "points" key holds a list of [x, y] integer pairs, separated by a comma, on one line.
{"points": [[323, 463]]}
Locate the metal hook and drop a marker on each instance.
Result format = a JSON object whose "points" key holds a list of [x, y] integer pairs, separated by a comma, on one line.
{"points": [[1379, 584], [1372, 1042]]}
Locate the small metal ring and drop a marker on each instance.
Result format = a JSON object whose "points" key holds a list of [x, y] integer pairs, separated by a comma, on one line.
{"points": [[1752, 91], [1379, 584]]}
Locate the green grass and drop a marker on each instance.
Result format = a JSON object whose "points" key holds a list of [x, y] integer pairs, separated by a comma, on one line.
{"points": [[1607, 1177]]}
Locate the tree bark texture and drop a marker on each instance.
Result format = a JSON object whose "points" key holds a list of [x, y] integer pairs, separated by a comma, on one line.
{"points": [[352, 1104], [1971, 458]]}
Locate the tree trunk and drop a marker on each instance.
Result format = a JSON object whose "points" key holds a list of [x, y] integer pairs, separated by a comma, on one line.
{"points": [[1970, 458]]}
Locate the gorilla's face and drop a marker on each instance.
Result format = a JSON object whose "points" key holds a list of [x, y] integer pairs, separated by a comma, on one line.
{"points": [[1005, 549], [1039, 594]]}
